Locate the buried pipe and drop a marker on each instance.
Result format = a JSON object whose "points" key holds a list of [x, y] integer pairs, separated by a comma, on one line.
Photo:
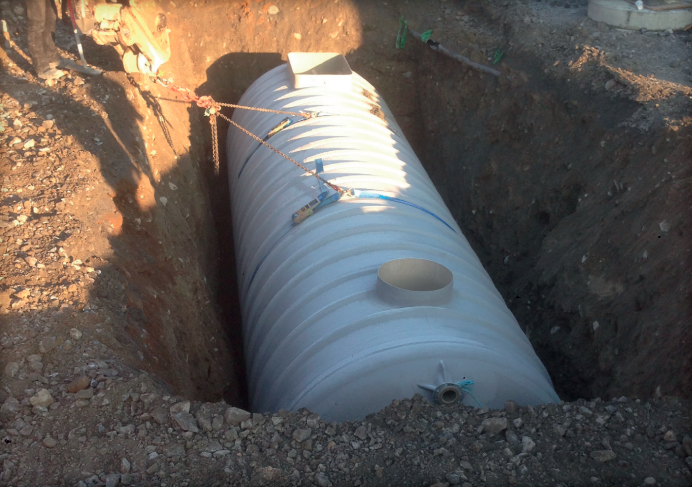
{"points": [[436, 46], [376, 296]]}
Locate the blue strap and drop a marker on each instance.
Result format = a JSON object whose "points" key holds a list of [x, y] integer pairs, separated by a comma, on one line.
{"points": [[368, 194], [465, 385], [328, 201], [319, 168], [259, 264]]}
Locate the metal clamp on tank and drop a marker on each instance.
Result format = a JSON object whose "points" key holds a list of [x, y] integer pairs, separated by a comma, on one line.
{"points": [[308, 209]]}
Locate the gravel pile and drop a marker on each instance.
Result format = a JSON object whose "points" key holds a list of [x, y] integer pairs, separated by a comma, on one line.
{"points": [[101, 424]]}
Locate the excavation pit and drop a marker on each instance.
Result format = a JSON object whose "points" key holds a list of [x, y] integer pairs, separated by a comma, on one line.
{"points": [[534, 167], [526, 163], [560, 176]]}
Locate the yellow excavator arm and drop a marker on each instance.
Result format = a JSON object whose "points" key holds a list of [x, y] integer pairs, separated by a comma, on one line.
{"points": [[138, 32]]}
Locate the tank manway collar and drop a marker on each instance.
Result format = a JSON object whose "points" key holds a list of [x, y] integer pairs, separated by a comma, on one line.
{"points": [[328, 70], [414, 282]]}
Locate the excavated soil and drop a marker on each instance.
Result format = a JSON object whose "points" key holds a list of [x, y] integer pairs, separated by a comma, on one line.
{"points": [[570, 175]]}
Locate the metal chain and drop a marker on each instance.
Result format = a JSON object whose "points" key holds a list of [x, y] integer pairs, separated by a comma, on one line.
{"points": [[213, 110], [267, 110], [207, 101], [215, 143], [313, 173]]}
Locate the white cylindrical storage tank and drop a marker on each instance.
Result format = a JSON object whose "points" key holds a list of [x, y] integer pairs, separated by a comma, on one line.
{"points": [[374, 297]]}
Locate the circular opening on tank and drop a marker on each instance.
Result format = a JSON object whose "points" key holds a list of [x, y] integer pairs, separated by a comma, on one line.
{"points": [[448, 395], [415, 274]]}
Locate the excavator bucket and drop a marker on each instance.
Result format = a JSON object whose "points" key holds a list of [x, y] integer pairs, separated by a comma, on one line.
{"points": [[139, 33]]}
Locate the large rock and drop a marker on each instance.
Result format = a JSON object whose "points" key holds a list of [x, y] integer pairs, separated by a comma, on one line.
{"points": [[361, 432], [112, 480], [235, 416], [511, 437]]}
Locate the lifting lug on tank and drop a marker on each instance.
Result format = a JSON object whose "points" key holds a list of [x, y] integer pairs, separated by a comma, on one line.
{"points": [[138, 32]]}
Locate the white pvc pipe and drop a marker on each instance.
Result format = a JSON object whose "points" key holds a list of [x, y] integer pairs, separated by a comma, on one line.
{"points": [[320, 329]]}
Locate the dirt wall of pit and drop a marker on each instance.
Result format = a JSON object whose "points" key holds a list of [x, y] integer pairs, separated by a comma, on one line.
{"points": [[159, 248], [580, 218], [575, 194]]}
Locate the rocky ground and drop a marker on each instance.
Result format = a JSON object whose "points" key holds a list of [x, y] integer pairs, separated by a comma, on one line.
{"points": [[110, 340], [116, 427]]}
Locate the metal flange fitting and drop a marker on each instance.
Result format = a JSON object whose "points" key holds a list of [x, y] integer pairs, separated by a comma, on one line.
{"points": [[448, 393]]}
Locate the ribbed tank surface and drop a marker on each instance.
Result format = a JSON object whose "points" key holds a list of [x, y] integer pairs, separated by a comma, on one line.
{"points": [[326, 325]]}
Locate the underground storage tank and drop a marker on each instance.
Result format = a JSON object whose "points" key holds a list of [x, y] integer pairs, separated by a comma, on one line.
{"points": [[351, 300]]}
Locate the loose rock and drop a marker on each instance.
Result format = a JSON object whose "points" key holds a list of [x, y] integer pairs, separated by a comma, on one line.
{"points": [[186, 421], [47, 344], [49, 442], [511, 406], [11, 369], [603, 455], [527, 444], [112, 480], [235, 416], [159, 414], [78, 384], [322, 480], [494, 426], [180, 407], [301, 435], [687, 445], [42, 398], [85, 394]]}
